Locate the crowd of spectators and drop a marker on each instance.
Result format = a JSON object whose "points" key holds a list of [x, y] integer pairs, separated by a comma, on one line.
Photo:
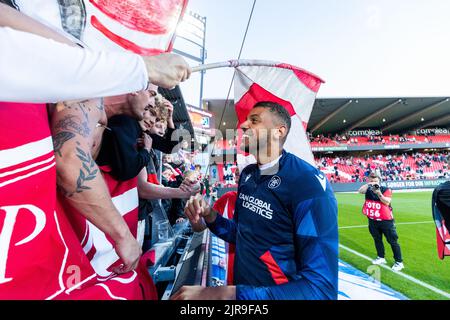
{"points": [[337, 139], [324, 139]]}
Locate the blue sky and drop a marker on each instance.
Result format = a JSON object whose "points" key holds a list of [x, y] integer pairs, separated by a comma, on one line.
{"points": [[364, 48]]}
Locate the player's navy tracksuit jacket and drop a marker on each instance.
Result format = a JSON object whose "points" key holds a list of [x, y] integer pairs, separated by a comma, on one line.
{"points": [[285, 231]]}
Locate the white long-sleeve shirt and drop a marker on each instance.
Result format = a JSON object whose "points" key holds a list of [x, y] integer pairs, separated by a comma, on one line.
{"points": [[35, 69]]}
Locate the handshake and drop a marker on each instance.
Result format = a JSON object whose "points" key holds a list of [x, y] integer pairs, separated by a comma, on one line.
{"points": [[197, 210]]}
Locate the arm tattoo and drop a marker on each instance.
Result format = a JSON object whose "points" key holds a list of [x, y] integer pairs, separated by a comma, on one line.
{"points": [[74, 124], [69, 127], [59, 139], [87, 172]]}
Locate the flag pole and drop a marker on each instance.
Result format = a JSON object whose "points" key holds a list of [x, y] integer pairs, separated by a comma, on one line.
{"points": [[250, 62], [234, 64], [208, 66]]}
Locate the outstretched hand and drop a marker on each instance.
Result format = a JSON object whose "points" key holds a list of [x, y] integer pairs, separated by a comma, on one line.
{"points": [[167, 70]]}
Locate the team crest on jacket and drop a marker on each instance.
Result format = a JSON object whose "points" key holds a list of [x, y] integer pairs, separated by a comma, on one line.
{"points": [[274, 182]]}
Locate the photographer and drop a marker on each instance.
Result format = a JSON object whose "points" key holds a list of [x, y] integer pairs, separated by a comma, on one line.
{"points": [[377, 208]]}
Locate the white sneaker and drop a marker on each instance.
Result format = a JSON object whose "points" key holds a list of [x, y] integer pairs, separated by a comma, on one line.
{"points": [[379, 260], [398, 266]]}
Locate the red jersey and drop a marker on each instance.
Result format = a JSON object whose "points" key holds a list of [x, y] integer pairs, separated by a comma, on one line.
{"points": [[225, 206], [41, 256]]}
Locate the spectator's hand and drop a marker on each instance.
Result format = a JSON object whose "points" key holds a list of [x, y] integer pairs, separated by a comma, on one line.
{"points": [[187, 189], [169, 107], [187, 185], [191, 187], [129, 251], [167, 70], [205, 293], [145, 142]]}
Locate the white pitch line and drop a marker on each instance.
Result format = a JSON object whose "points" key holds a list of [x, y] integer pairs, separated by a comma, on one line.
{"points": [[397, 224], [417, 281]]}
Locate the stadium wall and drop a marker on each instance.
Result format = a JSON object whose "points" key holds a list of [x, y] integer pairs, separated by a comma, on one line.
{"points": [[346, 187], [394, 185]]}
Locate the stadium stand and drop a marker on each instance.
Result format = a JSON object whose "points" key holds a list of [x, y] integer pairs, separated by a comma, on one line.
{"points": [[391, 165], [406, 166], [321, 140]]}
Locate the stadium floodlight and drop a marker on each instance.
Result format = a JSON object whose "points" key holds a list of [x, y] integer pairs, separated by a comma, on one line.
{"points": [[186, 29], [192, 33]]}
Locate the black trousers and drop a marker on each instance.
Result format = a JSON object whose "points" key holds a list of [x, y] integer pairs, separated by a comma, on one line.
{"points": [[387, 228]]}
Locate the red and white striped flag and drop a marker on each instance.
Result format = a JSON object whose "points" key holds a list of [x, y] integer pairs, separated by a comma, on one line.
{"points": [[145, 27], [293, 88]]}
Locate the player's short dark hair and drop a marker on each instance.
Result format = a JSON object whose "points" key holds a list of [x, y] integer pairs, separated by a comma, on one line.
{"points": [[278, 110]]}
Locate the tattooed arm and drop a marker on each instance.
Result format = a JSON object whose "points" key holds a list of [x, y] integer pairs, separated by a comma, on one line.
{"points": [[79, 178]]}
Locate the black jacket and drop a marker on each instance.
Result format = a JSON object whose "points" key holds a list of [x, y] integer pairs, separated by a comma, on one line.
{"points": [[119, 148], [165, 143]]}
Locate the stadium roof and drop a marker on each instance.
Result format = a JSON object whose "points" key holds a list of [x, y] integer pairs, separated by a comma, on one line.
{"points": [[338, 115]]}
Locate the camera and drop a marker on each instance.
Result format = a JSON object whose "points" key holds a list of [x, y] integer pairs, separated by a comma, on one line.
{"points": [[375, 187]]}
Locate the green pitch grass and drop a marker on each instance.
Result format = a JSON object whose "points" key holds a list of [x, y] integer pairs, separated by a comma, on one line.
{"points": [[417, 241]]}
